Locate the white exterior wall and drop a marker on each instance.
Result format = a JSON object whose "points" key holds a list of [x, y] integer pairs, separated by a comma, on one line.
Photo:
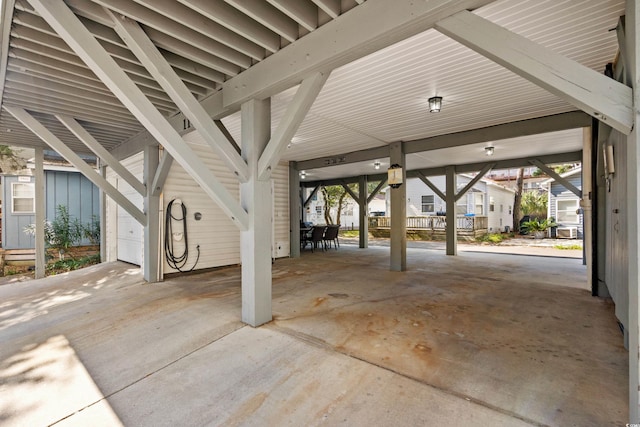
{"points": [[135, 165], [502, 216], [218, 237]]}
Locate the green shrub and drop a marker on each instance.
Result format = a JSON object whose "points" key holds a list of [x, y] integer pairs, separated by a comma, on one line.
{"points": [[568, 246], [492, 238]]}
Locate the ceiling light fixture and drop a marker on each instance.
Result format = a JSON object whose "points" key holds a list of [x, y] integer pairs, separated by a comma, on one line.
{"points": [[489, 150], [303, 175], [435, 104], [376, 165]]}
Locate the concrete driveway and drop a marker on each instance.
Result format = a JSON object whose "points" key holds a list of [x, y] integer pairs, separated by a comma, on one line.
{"points": [[480, 339]]}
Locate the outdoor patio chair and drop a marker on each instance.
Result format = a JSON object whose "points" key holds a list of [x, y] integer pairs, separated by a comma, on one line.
{"points": [[331, 235], [317, 234]]}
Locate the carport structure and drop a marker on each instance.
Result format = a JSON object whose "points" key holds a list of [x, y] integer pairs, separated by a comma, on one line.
{"points": [[323, 83]]}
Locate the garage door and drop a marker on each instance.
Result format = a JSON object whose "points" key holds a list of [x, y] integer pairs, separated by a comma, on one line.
{"points": [[130, 232]]}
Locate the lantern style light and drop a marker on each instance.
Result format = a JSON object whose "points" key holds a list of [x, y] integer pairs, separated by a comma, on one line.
{"points": [[435, 104]]}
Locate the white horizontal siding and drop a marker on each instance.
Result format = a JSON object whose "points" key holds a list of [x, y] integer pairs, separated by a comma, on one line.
{"points": [[218, 237]]}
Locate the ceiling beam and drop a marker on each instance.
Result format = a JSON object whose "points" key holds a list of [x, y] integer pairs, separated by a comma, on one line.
{"points": [[154, 62], [289, 123], [365, 29], [268, 16], [592, 92], [474, 180], [330, 7], [161, 174], [85, 137], [559, 178], [431, 185], [52, 141], [550, 159], [304, 13], [73, 32]]}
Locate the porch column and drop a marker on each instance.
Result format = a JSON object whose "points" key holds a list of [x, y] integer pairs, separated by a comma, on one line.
{"points": [[363, 223], [151, 267], [587, 202], [398, 212], [40, 214], [452, 221], [102, 168], [257, 200], [295, 210], [633, 193]]}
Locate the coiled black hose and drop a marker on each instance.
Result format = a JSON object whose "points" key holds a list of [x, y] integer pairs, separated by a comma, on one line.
{"points": [[177, 262]]}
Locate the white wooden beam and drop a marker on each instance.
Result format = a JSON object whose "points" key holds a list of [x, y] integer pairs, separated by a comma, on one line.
{"points": [[51, 140], [330, 7], [590, 91], [88, 140], [69, 27], [376, 190], [40, 195], [290, 122], [304, 13], [473, 182], [161, 174], [553, 174], [431, 185], [363, 30], [159, 68]]}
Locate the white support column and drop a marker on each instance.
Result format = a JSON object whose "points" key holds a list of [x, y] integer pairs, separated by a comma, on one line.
{"points": [[452, 220], [257, 200], [586, 202], [398, 212], [633, 195], [152, 210], [103, 215], [295, 210], [363, 220], [40, 214]]}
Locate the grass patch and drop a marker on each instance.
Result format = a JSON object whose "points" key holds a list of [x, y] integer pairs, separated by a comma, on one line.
{"points": [[493, 238], [349, 233], [568, 247], [70, 264]]}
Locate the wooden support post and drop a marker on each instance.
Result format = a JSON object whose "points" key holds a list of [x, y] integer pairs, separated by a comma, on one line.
{"points": [[452, 220], [257, 199], [363, 225], [398, 212], [633, 195], [40, 214], [151, 263], [295, 211]]}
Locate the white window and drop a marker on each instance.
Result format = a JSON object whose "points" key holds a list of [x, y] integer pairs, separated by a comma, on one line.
{"points": [[23, 198], [566, 211], [492, 204], [318, 209], [479, 204], [428, 204]]}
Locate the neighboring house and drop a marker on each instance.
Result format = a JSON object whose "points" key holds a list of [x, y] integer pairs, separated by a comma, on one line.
{"points": [[485, 198], [564, 206], [63, 186], [507, 178], [350, 211]]}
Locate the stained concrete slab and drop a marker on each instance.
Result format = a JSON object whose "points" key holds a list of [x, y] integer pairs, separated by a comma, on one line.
{"points": [[479, 338]]}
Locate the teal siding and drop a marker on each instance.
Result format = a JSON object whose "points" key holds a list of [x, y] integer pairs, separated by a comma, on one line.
{"points": [[70, 189]]}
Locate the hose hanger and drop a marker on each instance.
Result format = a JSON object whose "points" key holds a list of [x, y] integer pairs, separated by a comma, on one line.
{"points": [[177, 261]]}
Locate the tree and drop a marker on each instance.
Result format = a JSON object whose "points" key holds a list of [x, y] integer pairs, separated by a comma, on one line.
{"points": [[9, 160], [517, 199], [335, 196], [534, 204]]}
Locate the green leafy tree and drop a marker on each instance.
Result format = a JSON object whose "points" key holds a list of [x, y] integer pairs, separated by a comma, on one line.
{"points": [[10, 160], [534, 204], [335, 196]]}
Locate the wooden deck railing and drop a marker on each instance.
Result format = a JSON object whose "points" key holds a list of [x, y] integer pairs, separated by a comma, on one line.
{"points": [[469, 223]]}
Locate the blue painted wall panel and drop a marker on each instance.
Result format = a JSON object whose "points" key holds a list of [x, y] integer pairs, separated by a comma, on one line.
{"points": [[70, 189]]}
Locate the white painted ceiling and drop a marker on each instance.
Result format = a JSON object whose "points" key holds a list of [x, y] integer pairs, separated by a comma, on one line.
{"points": [[373, 101]]}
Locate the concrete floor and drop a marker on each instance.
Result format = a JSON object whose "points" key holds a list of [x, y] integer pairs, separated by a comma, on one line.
{"points": [[482, 339]]}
